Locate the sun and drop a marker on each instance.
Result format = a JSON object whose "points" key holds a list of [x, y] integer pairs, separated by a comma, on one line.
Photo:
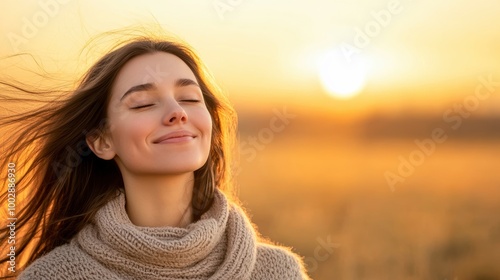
{"points": [[342, 76]]}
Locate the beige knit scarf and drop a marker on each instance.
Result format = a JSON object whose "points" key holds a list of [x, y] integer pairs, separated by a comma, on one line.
{"points": [[221, 245]]}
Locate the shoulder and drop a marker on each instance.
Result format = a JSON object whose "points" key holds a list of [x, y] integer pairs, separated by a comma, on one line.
{"points": [[277, 262], [64, 262]]}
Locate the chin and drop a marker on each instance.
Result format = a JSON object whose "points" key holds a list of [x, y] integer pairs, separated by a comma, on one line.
{"points": [[179, 169], [168, 166]]}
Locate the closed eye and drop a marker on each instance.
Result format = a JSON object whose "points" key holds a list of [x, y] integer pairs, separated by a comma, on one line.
{"points": [[191, 100], [142, 106]]}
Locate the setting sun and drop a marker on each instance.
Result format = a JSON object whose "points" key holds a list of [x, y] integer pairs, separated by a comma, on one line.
{"points": [[341, 76]]}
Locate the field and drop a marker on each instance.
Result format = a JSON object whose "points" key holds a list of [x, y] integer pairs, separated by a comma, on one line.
{"points": [[319, 185], [320, 188]]}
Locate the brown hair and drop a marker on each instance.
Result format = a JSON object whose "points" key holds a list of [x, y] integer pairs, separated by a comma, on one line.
{"points": [[67, 183]]}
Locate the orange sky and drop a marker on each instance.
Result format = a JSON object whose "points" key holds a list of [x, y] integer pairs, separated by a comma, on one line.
{"points": [[425, 54]]}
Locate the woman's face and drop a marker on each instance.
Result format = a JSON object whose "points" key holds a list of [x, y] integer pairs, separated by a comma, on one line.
{"points": [[159, 123]]}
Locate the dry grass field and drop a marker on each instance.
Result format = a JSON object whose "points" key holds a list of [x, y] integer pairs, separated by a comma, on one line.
{"points": [[324, 194]]}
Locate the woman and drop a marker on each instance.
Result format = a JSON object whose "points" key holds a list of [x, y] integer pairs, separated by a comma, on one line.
{"points": [[130, 175]]}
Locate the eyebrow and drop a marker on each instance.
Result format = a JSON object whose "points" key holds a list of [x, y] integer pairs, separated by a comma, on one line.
{"points": [[183, 82]]}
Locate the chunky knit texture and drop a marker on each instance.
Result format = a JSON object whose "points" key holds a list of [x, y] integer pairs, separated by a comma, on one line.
{"points": [[221, 245]]}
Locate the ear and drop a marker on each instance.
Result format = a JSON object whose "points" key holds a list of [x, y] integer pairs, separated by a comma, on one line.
{"points": [[101, 145]]}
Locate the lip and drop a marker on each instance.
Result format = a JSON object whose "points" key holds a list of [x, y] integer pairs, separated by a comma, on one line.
{"points": [[174, 137]]}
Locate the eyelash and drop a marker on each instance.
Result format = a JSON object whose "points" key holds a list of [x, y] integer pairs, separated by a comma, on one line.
{"points": [[148, 105], [142, 106]]}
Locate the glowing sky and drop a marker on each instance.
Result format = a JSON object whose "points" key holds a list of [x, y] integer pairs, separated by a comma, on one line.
{"points": [[427, 50]]}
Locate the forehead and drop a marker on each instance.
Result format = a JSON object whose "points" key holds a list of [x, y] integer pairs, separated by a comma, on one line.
{"points": [[159, 68]]}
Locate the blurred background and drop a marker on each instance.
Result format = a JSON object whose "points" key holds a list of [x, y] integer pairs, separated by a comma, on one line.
{"points": [[368, 130]]}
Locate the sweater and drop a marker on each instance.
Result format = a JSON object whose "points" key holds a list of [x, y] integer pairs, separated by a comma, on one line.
{"points": [[222, 244]]}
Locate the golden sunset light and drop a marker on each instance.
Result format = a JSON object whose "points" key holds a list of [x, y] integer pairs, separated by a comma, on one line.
{"points": [[368, 131]]}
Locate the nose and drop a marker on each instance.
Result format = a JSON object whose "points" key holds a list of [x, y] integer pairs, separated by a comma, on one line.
{"points": [[174, 114]]}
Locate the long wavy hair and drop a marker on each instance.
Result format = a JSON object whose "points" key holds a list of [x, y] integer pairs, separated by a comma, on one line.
{"points": [[63, 182]]}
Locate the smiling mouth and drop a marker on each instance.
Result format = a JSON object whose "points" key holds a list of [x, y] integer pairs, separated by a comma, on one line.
{"points": [[177, 139], [177, 136]]}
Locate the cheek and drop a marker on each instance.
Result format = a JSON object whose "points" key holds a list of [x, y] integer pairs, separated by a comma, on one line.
{"points": [[127, 131], [203, 121], [208, 125]]}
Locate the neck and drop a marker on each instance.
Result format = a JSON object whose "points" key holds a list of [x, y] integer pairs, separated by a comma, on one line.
{"points": [[159, 201]]}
